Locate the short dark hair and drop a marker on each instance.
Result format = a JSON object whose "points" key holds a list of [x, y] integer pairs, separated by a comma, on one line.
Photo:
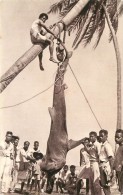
{"points": [[37, 154], [9, 132], [94, 133], [72, 167], [105, 132], [36, 142], [86, 138], [42, 15], [66, 166], [15, 137], [119, 131], [27, 142]]}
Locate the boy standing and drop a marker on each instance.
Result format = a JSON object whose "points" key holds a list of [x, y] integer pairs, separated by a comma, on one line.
{"points": [[94, 151], [118, 161], [106, 162], [85, 166], [36, 171]]}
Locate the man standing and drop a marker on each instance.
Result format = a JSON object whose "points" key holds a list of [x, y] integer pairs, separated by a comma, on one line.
{"points": [[6, 163], [106, 162], [25, 157], [38, 35], [94, 151], [85, 167], [15, 163]]}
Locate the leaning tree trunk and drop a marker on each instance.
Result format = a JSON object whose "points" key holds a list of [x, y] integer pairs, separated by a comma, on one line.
{"points": [[119, 82], [30, 55]]}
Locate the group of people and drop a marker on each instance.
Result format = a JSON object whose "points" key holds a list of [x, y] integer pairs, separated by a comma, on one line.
{"points": [[20, 164], [98, 166]]}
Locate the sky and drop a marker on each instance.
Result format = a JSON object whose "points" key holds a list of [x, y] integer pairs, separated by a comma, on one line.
{"points": [[96, 71]]}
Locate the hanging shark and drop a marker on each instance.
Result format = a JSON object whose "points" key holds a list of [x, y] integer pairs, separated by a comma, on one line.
{"points": [[58, 143]]}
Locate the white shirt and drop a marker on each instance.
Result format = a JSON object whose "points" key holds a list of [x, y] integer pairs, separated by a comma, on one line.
{"points": [[84, 157], [23, 155], [6, 149], [95, 151], [105, 152]]}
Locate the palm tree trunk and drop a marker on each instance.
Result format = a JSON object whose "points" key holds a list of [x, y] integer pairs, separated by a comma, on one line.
{"points": [[31, 54], [119, 82]]}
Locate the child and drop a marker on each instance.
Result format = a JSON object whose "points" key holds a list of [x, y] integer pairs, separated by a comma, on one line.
{"points": [[61, 181], [85, 167], [36, 171], [71, 180], [118, 161]]}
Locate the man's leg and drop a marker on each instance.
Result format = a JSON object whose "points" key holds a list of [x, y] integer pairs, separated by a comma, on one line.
{"points": [[38, 184], [106, 190], [78, 186], [57, 186], [43, 184], [60, 185], [51, 48], [32, 183], [120, 181], [22, 186], [40, 61], [87, 186], [95, 176]]}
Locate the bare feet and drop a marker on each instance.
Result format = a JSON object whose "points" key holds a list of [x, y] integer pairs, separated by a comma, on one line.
{"points": [[53, 60], [70, 54], [41, 66]]}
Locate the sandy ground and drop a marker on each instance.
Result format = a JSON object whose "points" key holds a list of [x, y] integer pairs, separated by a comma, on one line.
{"points": [[113, 192]]}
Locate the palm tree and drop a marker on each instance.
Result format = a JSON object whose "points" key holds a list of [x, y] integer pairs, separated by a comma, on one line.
{"points": [[85, 15], [87, 18], [92, 20], [118, 58], [31, 54]]}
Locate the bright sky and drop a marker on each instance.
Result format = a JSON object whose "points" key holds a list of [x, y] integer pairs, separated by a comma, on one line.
{"points": [[95, 69]]}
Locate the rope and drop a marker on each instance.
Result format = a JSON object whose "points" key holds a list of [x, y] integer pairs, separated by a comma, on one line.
{"points": [[14, 105], [84, 96], [27, 100]]}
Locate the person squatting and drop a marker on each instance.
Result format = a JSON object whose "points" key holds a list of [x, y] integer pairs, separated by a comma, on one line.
{"points": [[98, 166]]}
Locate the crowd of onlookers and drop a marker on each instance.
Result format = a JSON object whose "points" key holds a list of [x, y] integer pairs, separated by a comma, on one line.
{"points": [[99, 165]]}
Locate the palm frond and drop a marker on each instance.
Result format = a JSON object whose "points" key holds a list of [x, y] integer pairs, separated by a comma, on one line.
{"points": [[91, 20], [67, 8], [120, 9], [75, 24], [83, 32], [84, 15], [93, 24], [57, 7], [100, 29], [112, 11]]}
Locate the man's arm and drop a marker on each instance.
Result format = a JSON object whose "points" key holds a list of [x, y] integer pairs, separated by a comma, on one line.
{"points": [[110, 155], [48, 30], [80, 157]]}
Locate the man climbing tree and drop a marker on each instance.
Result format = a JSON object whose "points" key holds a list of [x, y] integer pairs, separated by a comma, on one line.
{"points": [[38, 35]]}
